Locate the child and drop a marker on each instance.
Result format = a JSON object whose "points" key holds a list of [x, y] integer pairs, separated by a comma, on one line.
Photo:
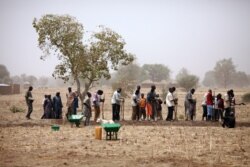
{"points": [[87, 111], [142, 105]]}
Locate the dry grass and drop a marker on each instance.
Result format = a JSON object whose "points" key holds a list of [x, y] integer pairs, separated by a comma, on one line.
{"points": [[33, 143]]}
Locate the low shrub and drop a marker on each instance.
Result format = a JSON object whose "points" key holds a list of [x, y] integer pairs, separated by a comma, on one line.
{"points": [[246, 97], [16, 109]]}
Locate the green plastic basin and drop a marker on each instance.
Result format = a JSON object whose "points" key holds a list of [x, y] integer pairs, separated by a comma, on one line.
{"points": [[111, 127], [55, 127]]}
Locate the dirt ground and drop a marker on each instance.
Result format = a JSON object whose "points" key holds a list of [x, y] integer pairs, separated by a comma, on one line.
{"points": [[179, 143]]}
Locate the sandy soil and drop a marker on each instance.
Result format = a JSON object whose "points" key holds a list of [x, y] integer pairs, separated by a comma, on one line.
{"points": [[181, 143]]}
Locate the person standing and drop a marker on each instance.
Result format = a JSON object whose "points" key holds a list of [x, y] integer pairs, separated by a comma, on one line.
{"points": [[57, 106], [116, 104], [204, 106], [75, 103], [189, 105], [135, 106], [87, 111], [138, 88], [175, 103], [29, 101], [44, 105], [220, 107], [96, 103], [142, 105], [227, 99], [209, 103], [151, 102], [170, 104], [229, 118], [232, 101], [49, 113], [69, 104]]}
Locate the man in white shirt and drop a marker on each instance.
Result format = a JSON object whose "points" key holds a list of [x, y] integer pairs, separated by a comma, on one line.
{"points": [[204, 106], [96, 103], [170, 104], [116, 104], [135, 105]]}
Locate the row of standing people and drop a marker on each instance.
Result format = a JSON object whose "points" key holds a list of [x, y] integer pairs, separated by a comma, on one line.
{"points": [[142, 108], [140, 105], [150, 107], [53, 106], [213, 107]]}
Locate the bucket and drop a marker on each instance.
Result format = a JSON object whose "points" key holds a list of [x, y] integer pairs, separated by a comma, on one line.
{"points": [[98, 132], [55, 127]]}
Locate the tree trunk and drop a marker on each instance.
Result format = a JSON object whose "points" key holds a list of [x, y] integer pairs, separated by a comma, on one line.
{"points": [[86, 89], [79, 89]]}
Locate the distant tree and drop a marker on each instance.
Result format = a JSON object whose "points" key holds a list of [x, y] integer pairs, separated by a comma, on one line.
{"points": [[156, 72], [62, 35], [56, 82], [127, 77], [241, 79], [143, 75], [209, 79], [28, 78], [16, 79], [224, 71], [31, 79], [23, 78], [42, 81], [3, 71], [224, 75], [4, 74], [186, 80]]}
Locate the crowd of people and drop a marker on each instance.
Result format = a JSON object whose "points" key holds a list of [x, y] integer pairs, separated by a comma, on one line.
{"points": [[144, 106], [215, 108]]}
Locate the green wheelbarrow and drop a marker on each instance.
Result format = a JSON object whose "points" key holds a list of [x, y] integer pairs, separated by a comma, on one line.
{"points": [[75, 119], [111, 130]]}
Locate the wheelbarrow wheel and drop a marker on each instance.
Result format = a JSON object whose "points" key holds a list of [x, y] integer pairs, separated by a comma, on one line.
{"points": [[77, 124]]}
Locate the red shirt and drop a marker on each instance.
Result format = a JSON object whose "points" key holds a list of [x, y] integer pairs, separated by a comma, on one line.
{"points": [[209, 99]]}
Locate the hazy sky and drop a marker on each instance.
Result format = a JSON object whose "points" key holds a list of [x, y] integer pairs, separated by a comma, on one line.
{"points": [[193, 34]]}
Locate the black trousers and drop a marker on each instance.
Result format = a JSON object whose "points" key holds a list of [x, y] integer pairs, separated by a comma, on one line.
{"points": [[204, 115], [30, 109], [142, 113], [227, 111], [116, 112], [170, 113]]}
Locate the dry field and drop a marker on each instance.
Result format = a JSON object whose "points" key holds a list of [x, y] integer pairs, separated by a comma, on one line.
{"points": [[181, 143]]}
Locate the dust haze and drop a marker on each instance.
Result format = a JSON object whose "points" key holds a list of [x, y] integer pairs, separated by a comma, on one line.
{"points": [[179, 34]]}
